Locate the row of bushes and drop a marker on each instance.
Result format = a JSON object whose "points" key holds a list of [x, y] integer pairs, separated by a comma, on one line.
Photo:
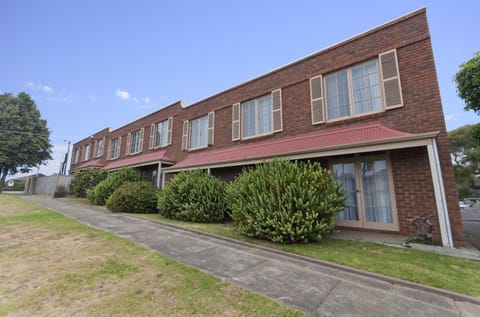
{"points": [[280, 201]]}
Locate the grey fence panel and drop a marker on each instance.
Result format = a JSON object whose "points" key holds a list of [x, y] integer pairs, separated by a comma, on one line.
{"points": [[56, 185]]}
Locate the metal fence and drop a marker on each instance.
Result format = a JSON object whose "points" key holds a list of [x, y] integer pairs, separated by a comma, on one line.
{"points": [[56, 185]]}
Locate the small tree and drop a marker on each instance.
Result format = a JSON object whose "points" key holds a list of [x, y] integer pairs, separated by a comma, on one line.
{"points": [[86, 179], [193, 196], [24, 137], [285, 201], [468, 83], [133, 197], [100, 193]]}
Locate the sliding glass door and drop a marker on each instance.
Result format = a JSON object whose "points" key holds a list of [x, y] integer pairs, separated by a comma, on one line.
{"points": [[369, 193]]}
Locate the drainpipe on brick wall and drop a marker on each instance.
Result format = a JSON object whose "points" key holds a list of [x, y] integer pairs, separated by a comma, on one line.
{"points": [[440, 198]]}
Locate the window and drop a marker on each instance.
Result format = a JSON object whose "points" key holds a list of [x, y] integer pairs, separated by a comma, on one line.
{"points": [[76, 156], [161, 133], [353, 91], [86, 152], [257, 117], [198, 133], [99, 147], [115, 148], [135, 142], [369, 193]]}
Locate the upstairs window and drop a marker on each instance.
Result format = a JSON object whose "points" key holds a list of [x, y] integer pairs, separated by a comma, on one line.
{"points": [[76, 156], [353, 91], [100, 147], [198, 133], [135, 142], [115, 148], [161, 133], [257, 117], [86, 152]]}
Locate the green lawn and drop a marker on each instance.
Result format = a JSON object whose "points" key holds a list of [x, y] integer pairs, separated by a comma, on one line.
{"points": [[455, 274], [51, 265]]}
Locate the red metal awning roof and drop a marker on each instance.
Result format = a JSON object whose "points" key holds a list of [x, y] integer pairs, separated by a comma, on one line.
{"points": [[141, 159], [94, 163], [312, 142]]}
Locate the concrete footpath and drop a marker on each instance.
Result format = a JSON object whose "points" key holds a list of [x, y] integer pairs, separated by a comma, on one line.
{"points": [[315, 287]]}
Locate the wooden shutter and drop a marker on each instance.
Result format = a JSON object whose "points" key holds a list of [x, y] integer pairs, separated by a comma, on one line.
{"points": [[211, 126], [142, 132], [316, 99], [170, 129], [109, 150], [391, 80], [95, 145], [129, 141], [236, 122], [185, 136], [151, 144], [277, 122]]}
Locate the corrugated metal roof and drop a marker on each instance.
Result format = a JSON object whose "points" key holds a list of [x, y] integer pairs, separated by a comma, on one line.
{"points": [[355, 135]]}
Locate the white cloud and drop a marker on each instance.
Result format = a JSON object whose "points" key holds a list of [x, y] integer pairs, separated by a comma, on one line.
{"points": [[135, 99], [41, 87], [146, 100], [47, 88], [122, 94], [452, 117]]}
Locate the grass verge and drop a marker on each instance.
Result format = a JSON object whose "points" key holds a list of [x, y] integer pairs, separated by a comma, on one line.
{"points": [[52, 265], [455, 274]]}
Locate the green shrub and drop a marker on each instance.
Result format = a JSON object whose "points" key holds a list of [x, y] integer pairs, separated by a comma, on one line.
{"points": [[285, 201], [193, 196], [100, 193], [85, 179], [133, 197]]}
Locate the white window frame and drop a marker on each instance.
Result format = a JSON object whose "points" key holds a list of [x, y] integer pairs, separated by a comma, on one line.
{"points": [[136, 140], [362, 222], [86, 152], [76, 156], [162, 125], [353, 113], [100, 147], [115, 148], [242, 119], [190, 147]]}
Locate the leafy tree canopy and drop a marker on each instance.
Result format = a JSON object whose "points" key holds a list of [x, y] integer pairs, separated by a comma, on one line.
{"points": [[468, 83], [24, 137], [465, 148], [464, 145]]}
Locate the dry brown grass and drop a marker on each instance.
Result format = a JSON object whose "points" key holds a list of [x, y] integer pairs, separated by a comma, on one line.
{"points": [[53, 266]]}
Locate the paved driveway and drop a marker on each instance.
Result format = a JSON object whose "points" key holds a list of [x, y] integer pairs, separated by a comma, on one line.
{"points": [[471, 225], [316, 287]]}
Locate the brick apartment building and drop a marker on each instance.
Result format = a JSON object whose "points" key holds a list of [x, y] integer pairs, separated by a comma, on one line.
{"points": [[368, 109]]}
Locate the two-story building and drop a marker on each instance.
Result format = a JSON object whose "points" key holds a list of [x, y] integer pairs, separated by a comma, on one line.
{"points": [[367, 108]]}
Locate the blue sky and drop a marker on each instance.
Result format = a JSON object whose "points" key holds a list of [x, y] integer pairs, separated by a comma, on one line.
{"points": [[93, 64]]}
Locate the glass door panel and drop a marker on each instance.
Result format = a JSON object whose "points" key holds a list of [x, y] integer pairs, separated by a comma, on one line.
{"points": [[376, 192], [344, 174]]}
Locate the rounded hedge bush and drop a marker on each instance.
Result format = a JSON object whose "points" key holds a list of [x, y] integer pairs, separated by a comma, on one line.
{"points": [[85, 179], [100, 193], [133, 197], [285, 202], [193, 196]]}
